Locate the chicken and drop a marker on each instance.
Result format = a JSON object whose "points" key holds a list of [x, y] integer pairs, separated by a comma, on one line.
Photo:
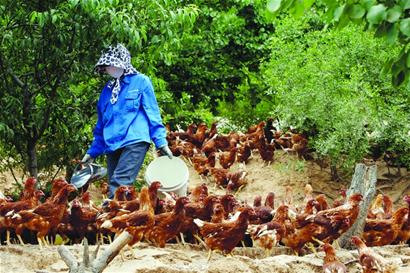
{"points": [[226, 235], [81, 221], [404, 233], [29, 188], [46, 216], [370, 261], [199, 193], [236, 180], [301, 219], [229, 203], [218, 214], [226, 159], [153, 195], [268, 130], [137, 222], [383, 232], [213, 131], [327, 225], [266, 151], [220, 176], [201, 209], [331, 264], [9, 209], [266, 235], [338, 220], [387, 206], [56, 186], [121, 193], [270, 200], [198, 138], [244, 152], [169, 224], [321, 202]]}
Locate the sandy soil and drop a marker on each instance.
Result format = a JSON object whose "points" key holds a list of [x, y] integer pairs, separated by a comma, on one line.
{"points": [[286, 170], [191, 258]]}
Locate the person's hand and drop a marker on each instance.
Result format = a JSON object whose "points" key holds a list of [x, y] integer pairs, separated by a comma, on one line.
{"points": [[164, 150], [87, 159]]}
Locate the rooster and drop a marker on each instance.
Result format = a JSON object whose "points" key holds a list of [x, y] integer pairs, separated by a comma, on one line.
{"points": [[370, 261], [226, 235], [331, 263]]}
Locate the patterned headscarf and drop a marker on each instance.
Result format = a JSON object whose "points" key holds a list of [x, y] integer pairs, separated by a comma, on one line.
{"points": [[120, 57]]}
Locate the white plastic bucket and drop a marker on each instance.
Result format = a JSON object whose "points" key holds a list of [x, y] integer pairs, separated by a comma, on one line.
{"points": [[172, 173]]}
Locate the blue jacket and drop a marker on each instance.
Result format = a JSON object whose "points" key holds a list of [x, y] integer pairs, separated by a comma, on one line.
{"points": [[135, 117]]}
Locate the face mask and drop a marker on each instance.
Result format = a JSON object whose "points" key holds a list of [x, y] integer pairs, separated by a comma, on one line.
{"points": [[114, 72]]}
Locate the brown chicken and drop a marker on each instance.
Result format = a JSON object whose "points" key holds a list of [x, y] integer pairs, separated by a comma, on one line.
{"points": [[321, 202], [137, 222], [384, 232], [266, 150], [266, 235], [220, 176], [153, 195], [244, 152], [199, 193], [168, 225], [338, 220], [56, 186], [404, 234], [9, 209], [370, 261], [81, 222], [236, 180], [198, 138], [29, 188], [46, 216], [331, 264], [226, 159], [201, 209], [226, 235], [218, 214], [326, 225]]}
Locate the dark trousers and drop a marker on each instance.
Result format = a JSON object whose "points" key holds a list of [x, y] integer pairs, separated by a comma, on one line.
{"points": [[124, 164]]}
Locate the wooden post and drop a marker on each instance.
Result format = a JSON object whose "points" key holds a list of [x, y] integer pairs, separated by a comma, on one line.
{"points": [[364, 182]]}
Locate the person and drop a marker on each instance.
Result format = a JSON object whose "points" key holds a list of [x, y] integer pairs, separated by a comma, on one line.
{"points": [[128, 119]]}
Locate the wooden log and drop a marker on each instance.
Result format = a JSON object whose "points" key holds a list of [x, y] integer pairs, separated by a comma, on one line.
{"points": [[364, 182]]}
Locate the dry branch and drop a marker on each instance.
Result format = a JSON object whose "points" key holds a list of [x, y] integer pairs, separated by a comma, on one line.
{"points": [[94, 265]]}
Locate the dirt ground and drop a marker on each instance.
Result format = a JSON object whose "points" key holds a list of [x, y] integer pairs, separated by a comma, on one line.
{"points": [[286, 170]]}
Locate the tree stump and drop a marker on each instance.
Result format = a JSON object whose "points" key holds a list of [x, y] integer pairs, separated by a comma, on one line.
{"points": [[364, 182], [93, 264]]}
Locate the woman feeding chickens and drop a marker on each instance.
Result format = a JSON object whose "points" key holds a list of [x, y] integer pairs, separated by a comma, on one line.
{"points": [[128, 119]]}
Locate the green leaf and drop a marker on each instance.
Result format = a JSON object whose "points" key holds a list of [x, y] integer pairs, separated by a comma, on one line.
{"points": [[405, 26], [392, 33], [393, 14], [357, 11], [367, 4], [273, 5], [338, 13], [376, 14], [405, 4], [408, 60]]}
